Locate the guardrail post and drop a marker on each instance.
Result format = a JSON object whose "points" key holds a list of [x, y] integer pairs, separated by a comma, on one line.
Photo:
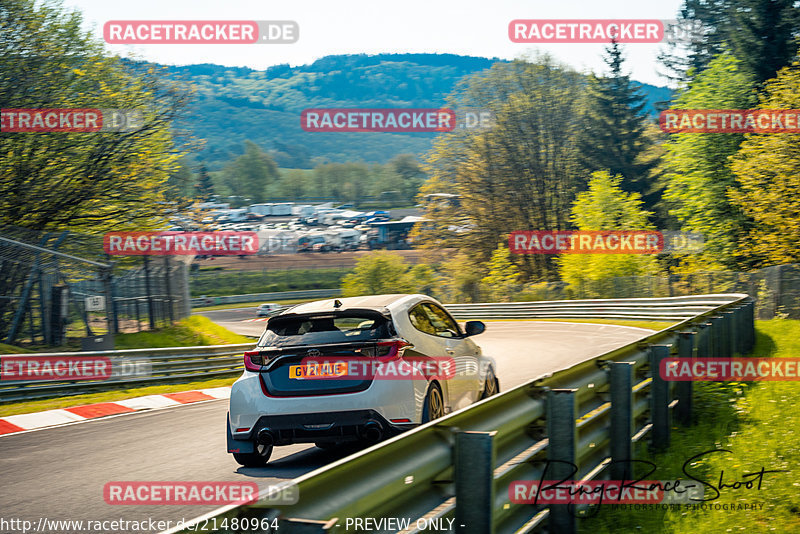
{"points": [[562, 451], [474, 475], [659, 398], [741, 330], [736, 331], [751, 326], [150, 309], [729, 332], [621, 379], [716, 336], [724, 337], [746, 327], [704, 340], [686, 342]]}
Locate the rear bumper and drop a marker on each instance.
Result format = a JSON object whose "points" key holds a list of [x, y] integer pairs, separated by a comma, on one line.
{"points": [[391, 399], [352, 425]]}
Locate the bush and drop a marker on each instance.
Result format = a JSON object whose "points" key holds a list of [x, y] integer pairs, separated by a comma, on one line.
{"points": [[382, 272], [243, 282]]}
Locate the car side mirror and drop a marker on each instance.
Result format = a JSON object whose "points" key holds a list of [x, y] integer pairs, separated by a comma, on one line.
{"points": [[473, 328]]}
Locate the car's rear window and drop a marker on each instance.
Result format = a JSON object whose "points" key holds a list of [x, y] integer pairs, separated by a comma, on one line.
{"points": [[323, 329]]}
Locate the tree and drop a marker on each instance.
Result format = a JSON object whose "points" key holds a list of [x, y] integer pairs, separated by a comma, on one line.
{"points": [[698, 167], [294, 184], [421, 278], [522, 173], [761, 34], [353, 183], [179, 184], [684, 61], [410, 172], [382, 272], [606, 206], [251, 173], [503, 279], [460, 279], [614, 137], [764, 40], [204, 186], [767, 169], [90, 181]]}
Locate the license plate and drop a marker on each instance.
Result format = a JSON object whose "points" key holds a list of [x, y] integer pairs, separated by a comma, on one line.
{"points": [[317, 370]]}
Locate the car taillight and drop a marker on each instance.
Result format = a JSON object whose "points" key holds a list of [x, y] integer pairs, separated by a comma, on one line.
{"points": [[253, 360], [385, 349]]}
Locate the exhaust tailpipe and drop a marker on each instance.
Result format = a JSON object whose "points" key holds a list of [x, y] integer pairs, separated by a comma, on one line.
{"points": [[265, 437], [372, 431]]}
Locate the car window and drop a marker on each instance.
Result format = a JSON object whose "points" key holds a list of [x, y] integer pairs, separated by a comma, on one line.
{"points": [[323, 329], [420, 320], [443, 324]]}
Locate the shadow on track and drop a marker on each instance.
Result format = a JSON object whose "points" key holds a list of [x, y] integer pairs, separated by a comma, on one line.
{"points": [[300, 463]]}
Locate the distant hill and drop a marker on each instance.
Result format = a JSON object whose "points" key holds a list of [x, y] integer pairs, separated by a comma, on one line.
{"points": [[235, 104]]}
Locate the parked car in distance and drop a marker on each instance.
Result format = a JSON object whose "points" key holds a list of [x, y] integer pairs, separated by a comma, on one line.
{"points": [[268, 309]]}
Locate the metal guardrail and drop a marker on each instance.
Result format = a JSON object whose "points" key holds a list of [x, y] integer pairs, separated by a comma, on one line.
{"points": [[460, 466], [225, 360], [128, 368], [261, 297], [665, 308]]}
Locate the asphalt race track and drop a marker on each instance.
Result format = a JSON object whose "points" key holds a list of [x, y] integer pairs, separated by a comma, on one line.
{"points": [[59, 473]]}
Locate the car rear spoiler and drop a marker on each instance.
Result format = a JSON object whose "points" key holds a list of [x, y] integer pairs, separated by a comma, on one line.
{"points": [[367, 313]]}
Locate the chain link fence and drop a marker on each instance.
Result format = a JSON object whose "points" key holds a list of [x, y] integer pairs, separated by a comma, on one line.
{"points": [[60, 285]]}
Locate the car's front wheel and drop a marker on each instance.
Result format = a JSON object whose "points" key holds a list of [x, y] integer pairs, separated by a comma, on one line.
{"points": [[492, 386], [434, 404], [259, 458]]}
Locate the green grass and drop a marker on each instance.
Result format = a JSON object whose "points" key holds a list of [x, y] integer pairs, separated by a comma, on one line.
{"points": [[194, 330], [221, 283], [108, 396], [652, 325], [11, 349], [759, 423]]}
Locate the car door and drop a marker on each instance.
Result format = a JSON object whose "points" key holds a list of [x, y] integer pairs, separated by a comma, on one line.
{"points": [[465, 384], [427, 343]]}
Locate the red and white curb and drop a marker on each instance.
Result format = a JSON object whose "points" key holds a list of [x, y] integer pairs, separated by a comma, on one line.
{"points": [[34, 421]]}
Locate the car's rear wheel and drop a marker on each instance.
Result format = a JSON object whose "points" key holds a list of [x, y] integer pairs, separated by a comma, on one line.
{"points": [[434, 404], [492, 386], [259, 458]]}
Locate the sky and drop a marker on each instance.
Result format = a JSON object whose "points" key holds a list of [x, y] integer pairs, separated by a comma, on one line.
{"points": [[467, 27]]}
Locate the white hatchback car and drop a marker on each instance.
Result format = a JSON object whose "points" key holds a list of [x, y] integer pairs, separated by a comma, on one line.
{"points": [[268, 309], [356, 369]]}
